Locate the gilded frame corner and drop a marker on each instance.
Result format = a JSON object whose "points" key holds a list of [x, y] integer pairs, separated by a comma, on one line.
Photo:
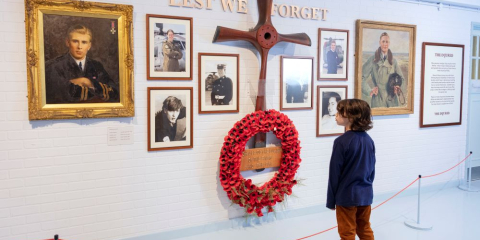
{"points": [[38, 109]]}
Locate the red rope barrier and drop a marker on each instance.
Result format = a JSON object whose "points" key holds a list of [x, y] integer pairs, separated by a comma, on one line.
{"points": [[318, 233], [405, 188], [433, 175]]}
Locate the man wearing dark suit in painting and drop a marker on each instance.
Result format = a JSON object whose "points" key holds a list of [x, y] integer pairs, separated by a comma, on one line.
{"points": [[76, 78]]}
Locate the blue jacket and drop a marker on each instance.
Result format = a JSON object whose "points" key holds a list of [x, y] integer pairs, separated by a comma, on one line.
{"points": [[352, 170]]}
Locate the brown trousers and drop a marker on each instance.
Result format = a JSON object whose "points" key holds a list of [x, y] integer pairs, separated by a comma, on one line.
{"points": [[354, 220]]}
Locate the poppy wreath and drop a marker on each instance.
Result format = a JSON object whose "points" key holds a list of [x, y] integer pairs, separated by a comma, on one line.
{"points": [[242, 191]]}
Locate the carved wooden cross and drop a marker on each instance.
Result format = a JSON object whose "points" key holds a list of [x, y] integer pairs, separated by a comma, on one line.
{"points": [[264, 36]]}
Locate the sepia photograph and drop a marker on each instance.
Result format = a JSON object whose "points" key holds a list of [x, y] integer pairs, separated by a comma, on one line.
{"points": [[169, 47], [84, 68], [332, 54], [218, 85], [170, 118], [385, 66], [296, 83], [327, 100]]}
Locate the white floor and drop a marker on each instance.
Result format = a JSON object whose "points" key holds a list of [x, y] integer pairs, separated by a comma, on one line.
{"points": [[453, 213]]}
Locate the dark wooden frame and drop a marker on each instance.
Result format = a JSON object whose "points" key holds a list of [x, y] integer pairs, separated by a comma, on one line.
{"points": [[422, 89], [319, 108], [281, 83], [347, 58], [201, 90], [148, 16], [148, 118], [387, 26]]}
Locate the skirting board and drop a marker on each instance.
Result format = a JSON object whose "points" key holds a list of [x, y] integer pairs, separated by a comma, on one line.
{"points": [[240, 222]]}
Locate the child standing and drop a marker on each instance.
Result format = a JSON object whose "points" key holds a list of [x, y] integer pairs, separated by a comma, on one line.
{"points": [[352, 170]]}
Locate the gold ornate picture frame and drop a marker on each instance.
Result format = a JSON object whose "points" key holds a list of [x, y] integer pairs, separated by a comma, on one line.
{"points": [[79, 59], [385, 66]]}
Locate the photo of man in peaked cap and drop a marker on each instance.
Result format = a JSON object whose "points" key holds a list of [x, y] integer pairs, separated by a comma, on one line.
{"points": [[222, 88]]}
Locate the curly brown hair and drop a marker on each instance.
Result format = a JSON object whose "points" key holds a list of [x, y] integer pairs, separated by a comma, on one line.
{"points": [[358, 112]]}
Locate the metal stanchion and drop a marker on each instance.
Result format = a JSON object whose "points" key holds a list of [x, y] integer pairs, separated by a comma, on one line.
{"points": [[467, 184], [417, 225]]}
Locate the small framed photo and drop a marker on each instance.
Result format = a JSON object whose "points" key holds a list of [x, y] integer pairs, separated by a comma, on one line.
{"points": [[218, 83], [332, 54], [170, 118], [327, 99], [296, 83], [169, 47]]}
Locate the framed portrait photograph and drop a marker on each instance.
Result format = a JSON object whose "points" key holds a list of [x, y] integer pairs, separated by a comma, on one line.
{"points": [[327, 99], [332, 54], [385, 66], [442, 84], [296, 83], [170, 118], [218, 83], [79, 59], [169, 47]]}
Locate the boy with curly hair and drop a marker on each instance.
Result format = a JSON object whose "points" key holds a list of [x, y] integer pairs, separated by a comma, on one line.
{"points": [[352, 170]]}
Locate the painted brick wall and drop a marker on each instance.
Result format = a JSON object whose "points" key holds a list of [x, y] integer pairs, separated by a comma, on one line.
{"points": [[61, 177]]}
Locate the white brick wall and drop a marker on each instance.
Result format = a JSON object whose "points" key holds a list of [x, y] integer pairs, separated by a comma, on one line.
{"points": [[60, 177]]}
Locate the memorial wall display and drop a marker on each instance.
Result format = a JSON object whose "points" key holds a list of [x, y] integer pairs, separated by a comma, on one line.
{"points": [[327, 99], [296, 83], [169, 47], [442, 84], [79, 59], [385, 66], [263, 37], [218, 83], [332, 54], [170, 118]]}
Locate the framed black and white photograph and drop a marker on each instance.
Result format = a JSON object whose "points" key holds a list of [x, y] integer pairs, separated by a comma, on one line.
{"points": [[170, 118], [296, 83], [332, 54], [442, 84], [327, 99], [218, 83], [169, 47]]}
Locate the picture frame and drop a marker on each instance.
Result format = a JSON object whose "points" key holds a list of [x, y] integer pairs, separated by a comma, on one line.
{"points": [[68, 81], [296, 83], [327, 99], [218, 83], [169, 118], [442, 84], [333, 65], [174, 52], [384, 74]]}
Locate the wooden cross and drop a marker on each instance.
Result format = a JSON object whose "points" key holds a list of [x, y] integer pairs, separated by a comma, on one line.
{"points": [[264, 36]]}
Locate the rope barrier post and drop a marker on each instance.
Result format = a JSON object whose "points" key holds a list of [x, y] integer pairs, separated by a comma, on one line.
{"points": [[466, 185], [417, 225]]}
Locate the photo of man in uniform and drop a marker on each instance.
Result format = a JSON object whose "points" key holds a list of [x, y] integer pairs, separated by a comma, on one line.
{"points": [[332, 58], [171, 54], [171, 121], [76, 78], [222, 88]]}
